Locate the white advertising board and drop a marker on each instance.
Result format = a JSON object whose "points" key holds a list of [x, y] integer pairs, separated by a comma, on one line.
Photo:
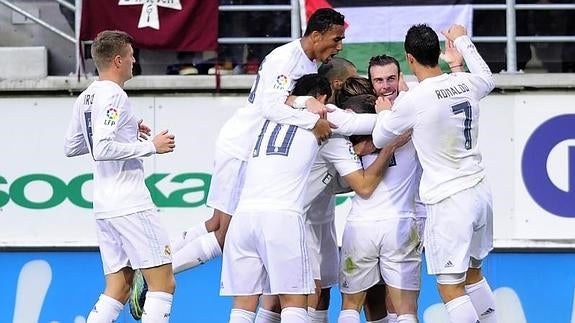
{"points": [[527, 140]]}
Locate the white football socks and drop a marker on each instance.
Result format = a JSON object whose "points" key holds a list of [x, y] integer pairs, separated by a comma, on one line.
{"points": [[158, 307], [266, 316], [348, 316], [483, 300], [105, 310], [241, 316], [189, 235], [461, 310], [196, 252], [294, 315]]}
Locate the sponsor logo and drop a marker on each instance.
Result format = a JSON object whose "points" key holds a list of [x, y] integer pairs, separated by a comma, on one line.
{"points": [[191, 190], [553, 137], [112, 116], [282, 82]]}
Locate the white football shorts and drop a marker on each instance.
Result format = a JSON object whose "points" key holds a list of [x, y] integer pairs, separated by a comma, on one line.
{"points": [[136, 240], [266, 253], [227, 182], [387, 248], [457, 228]]}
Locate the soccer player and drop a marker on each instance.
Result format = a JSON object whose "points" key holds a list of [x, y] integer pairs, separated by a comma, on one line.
{"points": [[380, 239], [322, 40], [443, 111], [337, 71], [130, 236]]}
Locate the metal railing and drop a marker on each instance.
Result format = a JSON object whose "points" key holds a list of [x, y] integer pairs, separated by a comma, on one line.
{"points": [[41, 22], [511, 39]]}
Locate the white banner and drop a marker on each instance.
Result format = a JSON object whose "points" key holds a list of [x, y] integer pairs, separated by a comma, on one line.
{"points": [[528, 142]]}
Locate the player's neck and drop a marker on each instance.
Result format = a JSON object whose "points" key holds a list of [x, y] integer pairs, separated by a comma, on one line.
{"points": [[424, 72], [110, 76], [307, 46]]}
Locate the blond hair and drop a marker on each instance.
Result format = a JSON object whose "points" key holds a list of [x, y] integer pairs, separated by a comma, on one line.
{"points": [[107, 45]]}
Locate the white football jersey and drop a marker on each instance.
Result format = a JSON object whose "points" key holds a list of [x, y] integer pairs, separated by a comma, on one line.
{"points": [[275, 79], [394, 196], [443, 112], [277, 172], [103, 124], [335, 156]]}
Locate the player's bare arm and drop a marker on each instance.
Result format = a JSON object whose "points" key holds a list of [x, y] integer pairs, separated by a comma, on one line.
{"points": [[365, 181]]}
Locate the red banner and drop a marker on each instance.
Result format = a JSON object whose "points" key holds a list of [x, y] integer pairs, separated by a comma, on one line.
{"points": [[181, 25]]}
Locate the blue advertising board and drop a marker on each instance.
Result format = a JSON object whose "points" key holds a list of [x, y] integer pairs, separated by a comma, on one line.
{"points": [[61, 287]]}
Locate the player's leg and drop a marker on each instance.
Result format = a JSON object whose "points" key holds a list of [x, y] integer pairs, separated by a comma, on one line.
{"points": [[148, 248], [375, 306], [269, 309], [196, 231], [159, 297], [243, 274], [328, 268], [400, 266], [287, 263], [313, 242], [448, 234], [204, 248], [476, 286], [318, 313], [111, 302], [243, 309], [351, 306], [294, 308], [117, 275], [481, 295], [225, 188], [359, 267]]}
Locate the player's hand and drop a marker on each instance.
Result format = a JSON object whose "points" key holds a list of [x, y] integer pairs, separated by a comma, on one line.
{"points": [[290, 100], [322, 130], [454, 31], [382, 103], [451, 55], [316, 107], [144, 131], [402, 139], [164, 142], [402, 84]]}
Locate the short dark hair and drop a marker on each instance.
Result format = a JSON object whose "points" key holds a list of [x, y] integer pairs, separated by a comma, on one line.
{"points": [[335, 69], [382, 60], [322, 20], [353, 86], [107, 45], [423, 44], [312, 84]]}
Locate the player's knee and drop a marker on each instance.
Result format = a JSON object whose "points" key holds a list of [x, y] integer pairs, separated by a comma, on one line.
{"points": [[353, 301], [451, 286], [323, 300], [474, 274]]}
